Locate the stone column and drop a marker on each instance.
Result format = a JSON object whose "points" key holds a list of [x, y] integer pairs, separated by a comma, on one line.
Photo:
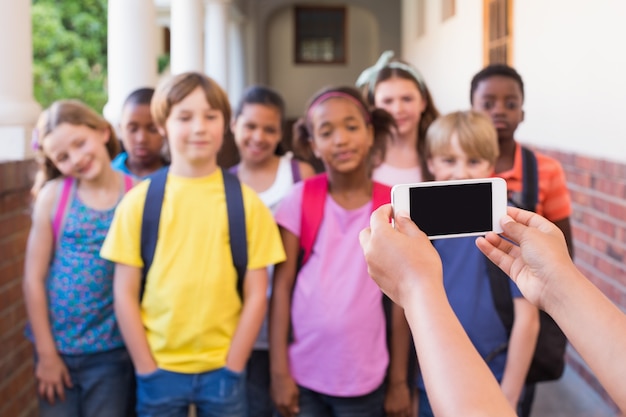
{"points": [[18, 108], [132, 51], [216, 54], [186, 36], [236, 64]]}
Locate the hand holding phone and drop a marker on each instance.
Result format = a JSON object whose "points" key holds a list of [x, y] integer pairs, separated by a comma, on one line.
{"points": [[445, 209]]}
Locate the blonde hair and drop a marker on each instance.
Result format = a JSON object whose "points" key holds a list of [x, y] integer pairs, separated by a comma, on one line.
{"points": [[475, 132], [73, 112], [173, 90]]}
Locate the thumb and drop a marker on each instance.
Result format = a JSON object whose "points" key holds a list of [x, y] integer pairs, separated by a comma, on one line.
{"points": [[405, 225], [512, 229]]}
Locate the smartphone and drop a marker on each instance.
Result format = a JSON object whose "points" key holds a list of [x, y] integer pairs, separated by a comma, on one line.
{"points": [[445, 209]]}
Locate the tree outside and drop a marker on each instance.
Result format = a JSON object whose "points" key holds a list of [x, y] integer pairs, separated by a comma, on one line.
{"points": [[70, 51]]}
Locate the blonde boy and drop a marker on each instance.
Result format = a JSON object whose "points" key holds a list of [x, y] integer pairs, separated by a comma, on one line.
{"points": [[191, 334], [464, 145]]}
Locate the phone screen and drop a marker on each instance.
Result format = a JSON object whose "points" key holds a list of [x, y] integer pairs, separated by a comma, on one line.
{"points": [[452, 209]]}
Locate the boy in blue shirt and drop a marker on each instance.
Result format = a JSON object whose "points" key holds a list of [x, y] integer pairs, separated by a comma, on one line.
{"points": [[464, 145]]}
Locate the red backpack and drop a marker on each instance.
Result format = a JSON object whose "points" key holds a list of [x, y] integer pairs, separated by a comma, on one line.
{"points": [[313, 199]]}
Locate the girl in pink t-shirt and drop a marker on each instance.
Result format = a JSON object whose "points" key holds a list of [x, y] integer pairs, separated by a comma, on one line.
{"points": [[328, 334]]}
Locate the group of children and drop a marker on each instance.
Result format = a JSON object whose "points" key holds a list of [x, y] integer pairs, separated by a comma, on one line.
{"points": [[117, 299]]}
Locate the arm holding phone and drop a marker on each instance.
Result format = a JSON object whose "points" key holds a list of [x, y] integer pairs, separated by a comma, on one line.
{"points": [[539, 263], [545, 274], [451, 366]]}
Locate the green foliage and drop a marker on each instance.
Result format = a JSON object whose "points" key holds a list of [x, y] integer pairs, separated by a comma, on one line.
{"points": [[70, 51], [162, 62]]}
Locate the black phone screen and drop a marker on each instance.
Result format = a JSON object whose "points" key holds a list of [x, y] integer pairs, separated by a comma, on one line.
{"points": [[452, 209]]}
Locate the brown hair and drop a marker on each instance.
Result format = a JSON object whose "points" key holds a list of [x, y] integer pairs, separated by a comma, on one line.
{"points": [[475, 132], [429, 114], [73, 112], [382, 123], [173, 90]]}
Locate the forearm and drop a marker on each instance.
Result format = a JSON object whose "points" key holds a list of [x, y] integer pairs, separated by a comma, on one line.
{"points": [[252, 314], [449, 363], [37, 310], [279, 330], [399, 349], [589, 320], [128, 315], [522, 344]]}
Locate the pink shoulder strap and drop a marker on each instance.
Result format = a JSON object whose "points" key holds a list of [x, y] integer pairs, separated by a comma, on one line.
{"points": [[61, 208], [381, 194], [313, 199], [128, 183]]}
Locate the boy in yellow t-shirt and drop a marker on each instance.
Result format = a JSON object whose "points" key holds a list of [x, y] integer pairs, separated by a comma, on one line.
{"points": [[190, 335]]}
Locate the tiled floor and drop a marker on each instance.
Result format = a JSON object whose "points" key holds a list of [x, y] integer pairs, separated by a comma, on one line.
{"points": [[569, 397]]}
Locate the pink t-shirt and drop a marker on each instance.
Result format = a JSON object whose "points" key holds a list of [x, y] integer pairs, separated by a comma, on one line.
{"points": [[339, 345]]}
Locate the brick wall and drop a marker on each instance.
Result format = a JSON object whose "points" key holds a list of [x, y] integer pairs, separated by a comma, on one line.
{"points": [[17, 392], [598, 191]]}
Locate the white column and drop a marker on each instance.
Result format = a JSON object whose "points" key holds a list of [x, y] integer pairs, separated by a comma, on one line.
{"points": [[236, 64], [216, 40], [186, 36], [18, 108], [132, 51]]}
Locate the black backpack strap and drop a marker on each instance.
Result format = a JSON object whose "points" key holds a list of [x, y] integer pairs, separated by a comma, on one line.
{"points": [[236, 227], [150, 222], [503, 302], [530, 180], [236, 224]]}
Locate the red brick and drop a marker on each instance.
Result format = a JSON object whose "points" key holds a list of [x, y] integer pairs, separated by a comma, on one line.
{"points": [[16, 222], [10, 294], [578, 178], [579, 197]]}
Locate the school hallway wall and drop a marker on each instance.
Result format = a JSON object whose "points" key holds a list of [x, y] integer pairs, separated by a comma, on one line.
{"points": [[568, 54]]}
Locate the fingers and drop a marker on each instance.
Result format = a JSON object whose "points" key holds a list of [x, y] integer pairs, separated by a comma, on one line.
{"points": [[405, 225], [528, 218], [381, 216], [60, 391], [497, 250], [364, 237], [50, 391]]}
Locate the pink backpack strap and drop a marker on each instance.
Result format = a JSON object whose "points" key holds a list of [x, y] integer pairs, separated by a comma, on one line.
{"points": [[128, 183], [314, 194], [381, 194], [60, 212]]}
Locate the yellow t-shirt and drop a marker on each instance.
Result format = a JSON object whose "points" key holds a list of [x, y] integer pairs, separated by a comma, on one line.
{"points": [[190, 307]]}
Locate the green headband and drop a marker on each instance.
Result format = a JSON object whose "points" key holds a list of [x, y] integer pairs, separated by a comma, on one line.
{"points": [[368, 76]]}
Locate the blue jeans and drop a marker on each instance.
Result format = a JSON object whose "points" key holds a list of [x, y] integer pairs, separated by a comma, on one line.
{"points": [[101, 386], [218, 393], [258, 385], [314, 404], [424, 409]]}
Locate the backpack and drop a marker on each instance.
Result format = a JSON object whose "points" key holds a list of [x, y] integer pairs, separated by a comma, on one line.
{"points": [[548, 361], [68, 189], [313, 198], [236, 224]]}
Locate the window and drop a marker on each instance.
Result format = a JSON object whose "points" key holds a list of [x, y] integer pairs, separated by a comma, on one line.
{"points": [[498, 32], [320, 35]]}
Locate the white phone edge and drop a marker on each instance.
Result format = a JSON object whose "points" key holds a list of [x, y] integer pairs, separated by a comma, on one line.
{"points": [[400, 200]]}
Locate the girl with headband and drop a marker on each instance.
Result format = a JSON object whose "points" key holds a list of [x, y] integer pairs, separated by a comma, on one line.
{"points": [[328, 334], [400, 89]]}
